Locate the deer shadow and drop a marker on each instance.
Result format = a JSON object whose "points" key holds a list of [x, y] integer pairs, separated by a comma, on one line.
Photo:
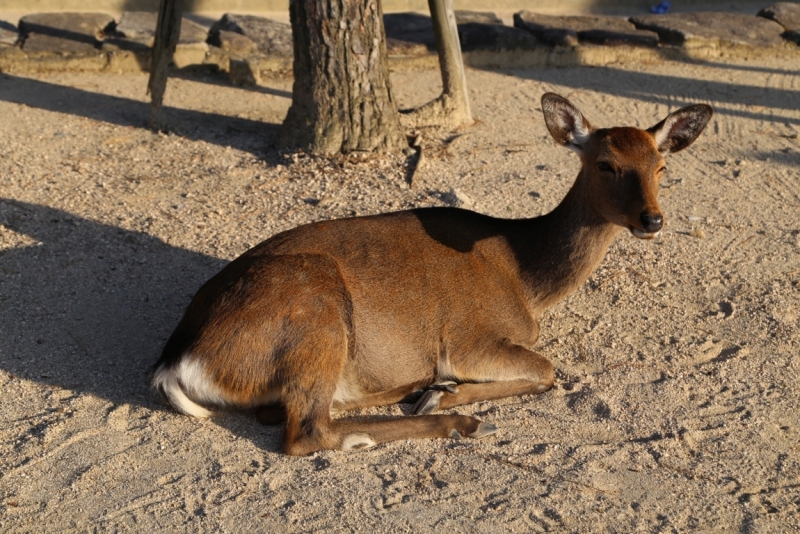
{"points": [[87, 306]]}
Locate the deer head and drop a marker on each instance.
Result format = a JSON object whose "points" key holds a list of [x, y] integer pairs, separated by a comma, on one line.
{"points": [[622, 167]]}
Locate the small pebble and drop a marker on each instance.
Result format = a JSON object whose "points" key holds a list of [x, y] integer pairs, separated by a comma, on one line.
{"points": [[457, 198]]}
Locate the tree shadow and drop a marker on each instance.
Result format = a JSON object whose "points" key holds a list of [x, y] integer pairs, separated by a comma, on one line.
{"points": [[660, 88], [787, 157], [745, 68], [248, 135], [88, 306]]}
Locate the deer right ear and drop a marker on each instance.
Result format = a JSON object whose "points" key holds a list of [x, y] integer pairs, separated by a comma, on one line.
{"points": [[565, 122]]}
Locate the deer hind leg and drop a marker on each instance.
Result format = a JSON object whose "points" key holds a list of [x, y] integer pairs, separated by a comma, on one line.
{"points": [[310, 428], [315, 366], [308, 400], [507, 371]]}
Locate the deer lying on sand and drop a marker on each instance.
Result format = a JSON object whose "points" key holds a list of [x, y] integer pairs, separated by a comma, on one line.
{"points": [[441, 303]]}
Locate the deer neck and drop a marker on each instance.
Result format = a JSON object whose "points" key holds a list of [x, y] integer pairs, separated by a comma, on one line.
{"points": [[563, 248]]}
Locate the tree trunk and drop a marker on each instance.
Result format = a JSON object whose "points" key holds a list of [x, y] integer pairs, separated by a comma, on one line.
{"points": [[341, 99]]}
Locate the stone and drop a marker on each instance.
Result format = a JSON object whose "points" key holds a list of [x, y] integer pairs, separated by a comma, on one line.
{"points": [[64, 33], [479, 30], [592, 29], [707, 28], [8, 34], [270, 37], [12, 58], [411, 34], [235, 43], [244, 72], [546, 28], [787, 14], [129, 60], [793, 36], [137, 29], [478, 17], [408, 34], [491, 36], [457, 198]]}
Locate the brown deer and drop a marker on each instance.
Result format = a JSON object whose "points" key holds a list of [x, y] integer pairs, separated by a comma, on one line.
{"points": [[441, 303]]}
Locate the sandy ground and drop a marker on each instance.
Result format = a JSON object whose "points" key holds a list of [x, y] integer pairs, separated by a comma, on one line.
{"points": [[676, 406]]}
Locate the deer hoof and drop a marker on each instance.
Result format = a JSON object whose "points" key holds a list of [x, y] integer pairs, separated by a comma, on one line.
{"points": [[450, 387], [428, 402], [353, 442], [483, 430]]}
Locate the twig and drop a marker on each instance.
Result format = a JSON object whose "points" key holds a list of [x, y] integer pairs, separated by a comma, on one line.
{"points": [[610, 278], [745, 241], [416, 144]]}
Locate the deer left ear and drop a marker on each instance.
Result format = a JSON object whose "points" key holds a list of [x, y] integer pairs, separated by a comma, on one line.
{"points": [[681, 128]]}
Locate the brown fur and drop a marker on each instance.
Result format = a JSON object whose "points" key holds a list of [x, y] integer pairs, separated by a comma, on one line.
{"points": [[383, 306]]}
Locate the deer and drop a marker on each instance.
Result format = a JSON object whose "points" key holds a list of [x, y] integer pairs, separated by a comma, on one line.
{"points": [[438, 306]]}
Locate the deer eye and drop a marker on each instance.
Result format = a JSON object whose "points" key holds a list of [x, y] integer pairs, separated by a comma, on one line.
{"points": [[605, 167]]}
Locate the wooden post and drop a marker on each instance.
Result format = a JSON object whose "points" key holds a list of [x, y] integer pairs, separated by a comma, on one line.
{"points": [[452, 107], [168, 31], [454, 81]]}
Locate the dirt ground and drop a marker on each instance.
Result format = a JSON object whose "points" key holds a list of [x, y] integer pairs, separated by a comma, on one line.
{"points": [[676, 406]]}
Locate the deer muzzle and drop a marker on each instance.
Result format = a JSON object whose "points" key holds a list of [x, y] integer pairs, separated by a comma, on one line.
{"points": [[651, 223]]}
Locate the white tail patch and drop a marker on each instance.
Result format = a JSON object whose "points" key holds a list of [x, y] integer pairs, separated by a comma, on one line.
{"points": [[185, 382], [353, 442]]}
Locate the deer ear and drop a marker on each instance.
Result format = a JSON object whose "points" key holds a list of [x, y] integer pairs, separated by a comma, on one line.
{"points": [[565, 122], [681, 128]]}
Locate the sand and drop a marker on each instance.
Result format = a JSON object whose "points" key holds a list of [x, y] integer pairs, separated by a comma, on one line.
{"points": [[676, 405]]}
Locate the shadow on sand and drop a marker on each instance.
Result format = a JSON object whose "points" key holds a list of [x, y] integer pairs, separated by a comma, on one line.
{"points": [[660, 88], [89, 306], [249, 135]]}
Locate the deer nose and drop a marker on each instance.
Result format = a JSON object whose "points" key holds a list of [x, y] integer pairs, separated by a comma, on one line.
{"points": [[651, 222]]}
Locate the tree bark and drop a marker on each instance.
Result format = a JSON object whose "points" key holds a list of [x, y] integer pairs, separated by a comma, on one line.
{"points": [[452, 107], [342, 99]]}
